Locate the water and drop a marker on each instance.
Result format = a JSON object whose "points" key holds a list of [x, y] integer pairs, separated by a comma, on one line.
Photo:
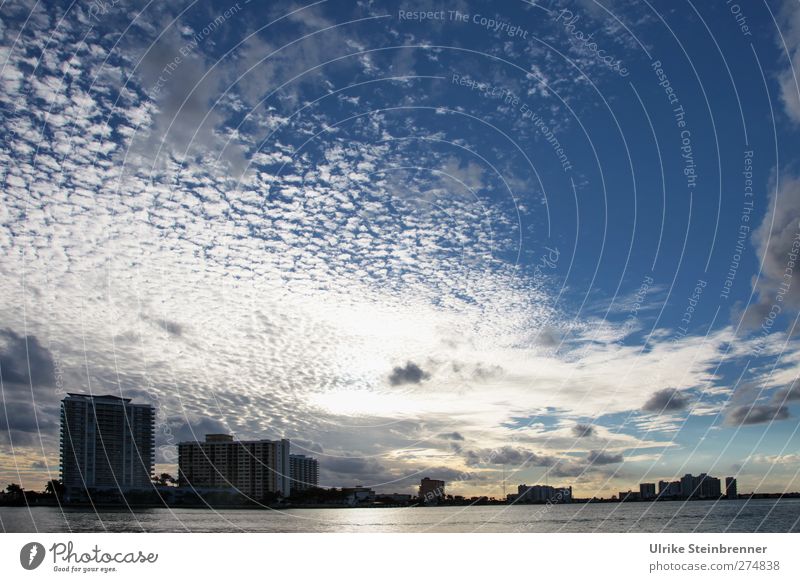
{"points": [[763, 515]]}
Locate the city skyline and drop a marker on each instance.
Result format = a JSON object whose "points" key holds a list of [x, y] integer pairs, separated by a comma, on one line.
{"points": [[106, 444], [543, 242]]}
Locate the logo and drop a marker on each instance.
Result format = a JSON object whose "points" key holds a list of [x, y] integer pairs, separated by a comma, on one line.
{"points": [[31, 555]]}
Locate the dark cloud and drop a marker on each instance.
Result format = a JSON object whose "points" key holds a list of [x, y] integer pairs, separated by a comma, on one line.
{"points": [[666, 400], [756, 414], [568, 469], [790, 393], [507, 456], [348, 471], [411, 373], [24, 360], [601, 458], [583, 430], [452, 436], [30, 408]]}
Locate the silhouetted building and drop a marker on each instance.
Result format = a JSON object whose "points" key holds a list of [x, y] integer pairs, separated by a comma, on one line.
{"points": [[358, 494], [689, 485], [629, 496], [701, 487], [709, 487], [731, 488], [106, 443], [431, 490], [254, 468], [304, 472], [669, 489], [395, 497], [543, 494], [647, 490]]}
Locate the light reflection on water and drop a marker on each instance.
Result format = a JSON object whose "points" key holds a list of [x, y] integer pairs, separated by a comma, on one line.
{"points": [[764, 515]]}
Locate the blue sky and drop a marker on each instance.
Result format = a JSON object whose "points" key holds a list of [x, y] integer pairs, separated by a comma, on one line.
{"points": [[416, 238]]}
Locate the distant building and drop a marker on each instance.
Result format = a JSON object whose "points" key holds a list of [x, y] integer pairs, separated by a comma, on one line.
{"points": [[647, 490], [629, 496], [254, 468], [709, 487], [358, 494], [731, 488], [304, 472], [667, 489], [543, 494], [431, 490], [106, 443], [689, 485], [395, 497]]}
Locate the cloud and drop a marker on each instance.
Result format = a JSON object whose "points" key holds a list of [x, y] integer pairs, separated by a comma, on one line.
{"points": [[507, 455], [453, 436], [666, 400], [341, 471], [788, 79], [776, 240], [306, 447], [24, 360], [171, 327], [411, 373], [756, 414], [583, 430], [792, 459], [601, 458], [790, 393]]}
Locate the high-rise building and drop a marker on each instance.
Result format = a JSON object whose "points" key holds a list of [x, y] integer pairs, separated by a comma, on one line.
{"points": [[304, 472], [689, 486], [647, 490], [431, 490], [254, 468], [106, 443], [731, 488], [669, 489], [709, 487]]}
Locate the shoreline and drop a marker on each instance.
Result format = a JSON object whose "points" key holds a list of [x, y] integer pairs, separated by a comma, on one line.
{"points": [[133, 507]]}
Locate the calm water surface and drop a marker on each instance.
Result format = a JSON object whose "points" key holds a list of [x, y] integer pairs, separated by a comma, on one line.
{"points": [[673, 516]]}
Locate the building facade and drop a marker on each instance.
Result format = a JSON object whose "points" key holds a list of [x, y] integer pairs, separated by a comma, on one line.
{"points": [[731, 488], [106, 443], [304, 472], [669, 489], [647, 490], [255, 468], [431, 490]]}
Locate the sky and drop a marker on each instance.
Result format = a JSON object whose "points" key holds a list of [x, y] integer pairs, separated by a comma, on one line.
{"points": [[492, 243]]}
